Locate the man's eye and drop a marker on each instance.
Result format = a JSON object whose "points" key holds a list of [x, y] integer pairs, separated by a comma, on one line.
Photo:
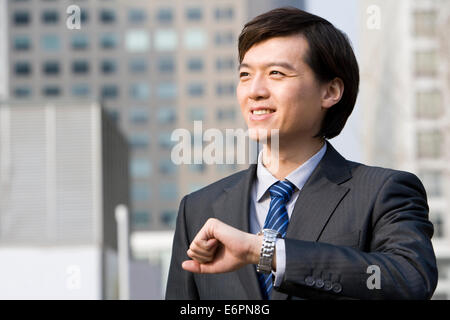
{"points": [[276, 72], [243, 74]]}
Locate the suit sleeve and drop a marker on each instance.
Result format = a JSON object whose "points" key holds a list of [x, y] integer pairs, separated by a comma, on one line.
{"points": [[180, 283], [399, 245]]}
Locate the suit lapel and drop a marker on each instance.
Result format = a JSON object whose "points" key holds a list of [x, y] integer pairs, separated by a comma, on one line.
{"points": [[317, 200], [319, 197], [236, 199]]}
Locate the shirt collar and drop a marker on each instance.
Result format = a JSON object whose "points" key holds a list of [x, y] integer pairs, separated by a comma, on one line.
{"points": [[264, 179]]}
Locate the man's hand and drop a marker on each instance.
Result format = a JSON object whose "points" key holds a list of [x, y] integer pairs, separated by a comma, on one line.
{"points": [[219, 248]]}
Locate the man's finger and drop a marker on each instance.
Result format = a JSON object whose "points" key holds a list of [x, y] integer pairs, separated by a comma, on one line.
{"points": [[195, 267], [191, 266], [198, 257]]}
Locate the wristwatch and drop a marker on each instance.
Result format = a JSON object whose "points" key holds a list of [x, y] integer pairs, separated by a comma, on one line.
{"points": [[267, 250]]}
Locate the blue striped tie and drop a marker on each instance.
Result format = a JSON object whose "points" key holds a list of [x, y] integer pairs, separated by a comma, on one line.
{"points": [[277, 219]]}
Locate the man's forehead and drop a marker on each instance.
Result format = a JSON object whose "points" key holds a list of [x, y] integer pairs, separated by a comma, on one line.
{"points": [[276, 51]]}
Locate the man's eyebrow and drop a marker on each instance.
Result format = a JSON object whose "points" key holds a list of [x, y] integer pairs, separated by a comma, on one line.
{"points": [[271, 64]]}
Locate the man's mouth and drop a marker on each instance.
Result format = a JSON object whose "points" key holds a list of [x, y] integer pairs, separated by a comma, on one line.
{"points": [[262, 111]]}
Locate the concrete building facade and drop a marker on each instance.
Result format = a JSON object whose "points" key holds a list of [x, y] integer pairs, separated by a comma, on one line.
{"points": [[405, 94]]}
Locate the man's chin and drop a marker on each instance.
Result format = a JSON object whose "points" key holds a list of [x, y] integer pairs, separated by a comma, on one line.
{"points": [[262, 135]]}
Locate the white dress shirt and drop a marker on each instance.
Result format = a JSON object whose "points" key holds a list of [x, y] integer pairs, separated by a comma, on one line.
{"points": [[260, 204]]}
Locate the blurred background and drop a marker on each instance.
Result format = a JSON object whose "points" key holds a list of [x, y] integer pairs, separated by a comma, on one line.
{"points": [[91, 91]]}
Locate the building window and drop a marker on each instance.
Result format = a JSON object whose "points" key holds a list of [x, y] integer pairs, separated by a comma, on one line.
{"points": [[22, 69], [80, 42], [195, 64], [140, 192], [196, 89], [226, 114], [224, 38], [167, 90], [165, 15], [84, 16], [109, 41], [168, 191], [80, 67], [426, 63], [22, 43], [139, 140], [108, 66], [169, 218], [166, 115], [195, 39], [137, 41], [138, 66], [21, 18], [167, 167], [165, 141], [225, 89], [197, 167], [165, 40], [224, 14], [51, 68], [425, 23], [429, 144], [50, 17], [109, 92], [225, 64], [141, 218], [140, 168], [166, 64], [107, 16], [50, 43], [429, 105], [432, 180], [81, 90], [51, 91], [22, 92], [196, 114], [194, 14], [139, 116], [136, 16], [140, 91]]}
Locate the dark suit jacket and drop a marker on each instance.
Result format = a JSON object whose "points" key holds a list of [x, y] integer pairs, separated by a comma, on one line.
{"points": [[348, 217]]}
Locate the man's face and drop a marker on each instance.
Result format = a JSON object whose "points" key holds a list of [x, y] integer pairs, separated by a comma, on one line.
{"points": [[278, 90]]}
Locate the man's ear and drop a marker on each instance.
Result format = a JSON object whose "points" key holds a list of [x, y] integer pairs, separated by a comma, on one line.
{"points": [[332, 93]]}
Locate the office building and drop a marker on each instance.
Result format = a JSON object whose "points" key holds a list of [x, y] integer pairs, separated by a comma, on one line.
{"points": [[405, 94], [63, 171]]}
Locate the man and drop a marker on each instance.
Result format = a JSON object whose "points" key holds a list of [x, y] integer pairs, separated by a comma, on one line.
{"points": [[332, 228]]}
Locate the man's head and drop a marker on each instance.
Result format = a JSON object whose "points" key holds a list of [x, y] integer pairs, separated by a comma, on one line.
{"points": [[315, 49]]}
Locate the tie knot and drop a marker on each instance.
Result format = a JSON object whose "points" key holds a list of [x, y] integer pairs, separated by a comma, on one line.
{"points": [[282, 189]]}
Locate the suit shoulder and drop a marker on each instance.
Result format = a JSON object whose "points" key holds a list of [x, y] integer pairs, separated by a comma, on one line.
{"points": [[218, 186], [379, 174]]}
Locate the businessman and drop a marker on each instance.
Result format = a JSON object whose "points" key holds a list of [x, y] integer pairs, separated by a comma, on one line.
{"points": [[302, 223]]}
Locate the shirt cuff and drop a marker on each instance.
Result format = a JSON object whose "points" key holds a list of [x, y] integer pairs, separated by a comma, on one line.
{"points": [[280, 257]]}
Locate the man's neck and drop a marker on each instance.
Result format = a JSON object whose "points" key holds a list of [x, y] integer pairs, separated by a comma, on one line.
{"points": [[288, 158]]}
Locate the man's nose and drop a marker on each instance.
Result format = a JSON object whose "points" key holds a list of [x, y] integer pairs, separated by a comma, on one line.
{"points": [[259, 89]]}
